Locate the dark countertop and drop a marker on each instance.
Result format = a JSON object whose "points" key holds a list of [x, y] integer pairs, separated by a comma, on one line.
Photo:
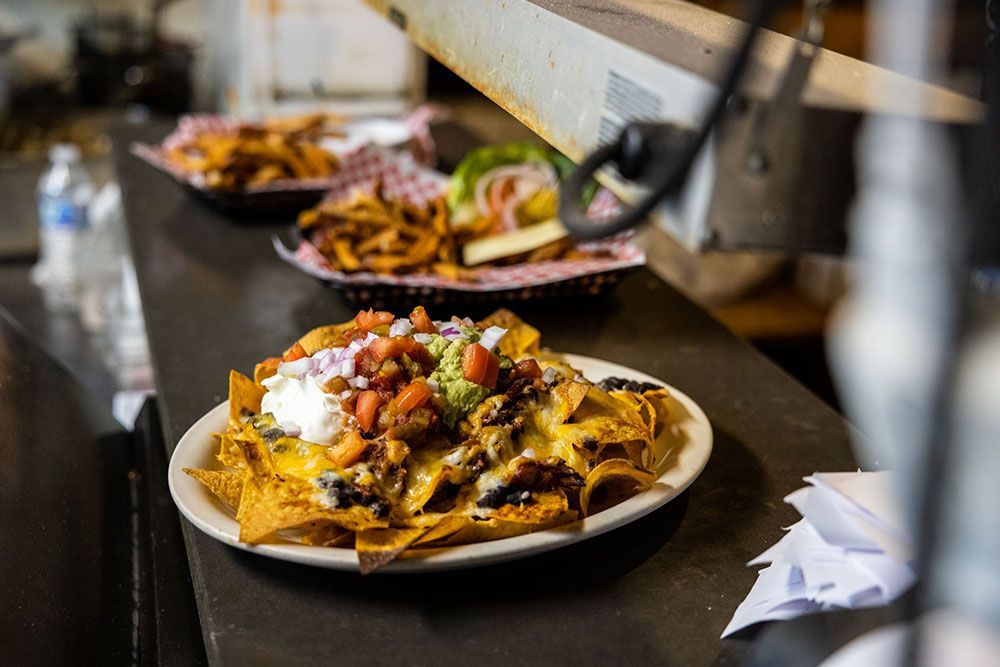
{"points": [[659, 590], [65, 516]]}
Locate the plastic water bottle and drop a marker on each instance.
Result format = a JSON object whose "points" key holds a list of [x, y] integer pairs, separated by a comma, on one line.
{"points": [[64, 193]]}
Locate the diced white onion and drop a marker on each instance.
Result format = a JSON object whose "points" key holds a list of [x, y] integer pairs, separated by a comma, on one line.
{"points": [[356, 345], [401, 327], [433, 385], [322, 354], [291, 429], [346, 394], [347, 368], [326, 363], [491, 337], [439, 325], [327, 375], [423, 338], [361, 382], [549, 376], [295, 368], [370, 338]]}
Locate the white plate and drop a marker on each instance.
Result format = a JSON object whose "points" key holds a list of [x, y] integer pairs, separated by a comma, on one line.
{"points": [[682, 452]]}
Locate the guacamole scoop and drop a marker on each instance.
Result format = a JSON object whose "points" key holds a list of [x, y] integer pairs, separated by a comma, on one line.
{"points": [[460, 395]]}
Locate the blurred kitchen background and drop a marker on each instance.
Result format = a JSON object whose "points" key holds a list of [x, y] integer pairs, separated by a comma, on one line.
{"points": [[71, 69]]}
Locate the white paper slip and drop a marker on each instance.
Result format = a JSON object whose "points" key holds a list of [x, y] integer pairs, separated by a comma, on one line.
{"points": [[848, 551]]}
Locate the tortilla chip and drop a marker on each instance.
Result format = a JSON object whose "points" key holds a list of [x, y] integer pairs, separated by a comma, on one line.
{"points": [[323, 337], [567, 397], [329, 535], [256, 456], [266, 369], [659, 401], [620, 478], [230, 454], [498, 529], [545, 507], [244, 397], [278, 504], [227, 485], [449, 525], [521, 339], [378, 547]]}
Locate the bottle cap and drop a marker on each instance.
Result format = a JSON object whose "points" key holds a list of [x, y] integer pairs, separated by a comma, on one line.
{"points": [[64, 153]]}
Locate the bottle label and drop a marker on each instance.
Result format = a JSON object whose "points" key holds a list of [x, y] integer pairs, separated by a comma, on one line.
{"points": [[61, 213]]}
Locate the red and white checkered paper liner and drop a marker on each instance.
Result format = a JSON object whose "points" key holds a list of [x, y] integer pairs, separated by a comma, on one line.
{"points": [[353, 161], [403, 177]]}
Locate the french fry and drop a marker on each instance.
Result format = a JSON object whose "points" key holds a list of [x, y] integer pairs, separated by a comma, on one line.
{"points": [[252, 156]]}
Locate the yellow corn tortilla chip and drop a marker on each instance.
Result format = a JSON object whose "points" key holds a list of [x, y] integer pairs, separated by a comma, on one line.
{"points": [[227, 485], [619, 477], [498, 529], [446, 526], [567, 397], [265, 369], [329, 535], [323, 337], [244, 397], [521, 339], [230, 454], [278, 504], [659, 402], [545, 507], [255, 455], [378, 547]]}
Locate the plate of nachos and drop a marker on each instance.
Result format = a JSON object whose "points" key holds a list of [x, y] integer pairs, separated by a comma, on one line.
{"points": [[404, 444]]}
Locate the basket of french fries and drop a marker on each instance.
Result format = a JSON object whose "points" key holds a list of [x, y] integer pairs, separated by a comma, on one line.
{"points": [[277, 165], [392, 230]]}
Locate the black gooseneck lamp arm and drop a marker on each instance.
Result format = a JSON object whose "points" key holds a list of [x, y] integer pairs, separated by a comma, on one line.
{"points": [[659, 155]]}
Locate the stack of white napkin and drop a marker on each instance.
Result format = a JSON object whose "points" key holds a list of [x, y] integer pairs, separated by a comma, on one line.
{"points": [[850, 550]]}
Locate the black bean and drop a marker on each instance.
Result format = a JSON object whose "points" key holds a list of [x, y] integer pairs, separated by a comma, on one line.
{"points": [[271, 435], [504, 495], [623, 384]]}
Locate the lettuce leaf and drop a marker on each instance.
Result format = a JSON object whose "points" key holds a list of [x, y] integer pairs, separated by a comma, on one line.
{"points": [[480, 160]]}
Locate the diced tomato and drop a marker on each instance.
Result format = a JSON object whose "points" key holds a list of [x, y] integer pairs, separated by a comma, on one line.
{"points": [[475, 360], [395, 347], [366, 320], [297, 352], [412, 396], [367, 405], [422, 321], [479, 365], [528, 368], [348, 451], [492, 372]]}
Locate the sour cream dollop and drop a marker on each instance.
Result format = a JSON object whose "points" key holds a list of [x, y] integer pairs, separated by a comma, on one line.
{"points": [[303, 401]]}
